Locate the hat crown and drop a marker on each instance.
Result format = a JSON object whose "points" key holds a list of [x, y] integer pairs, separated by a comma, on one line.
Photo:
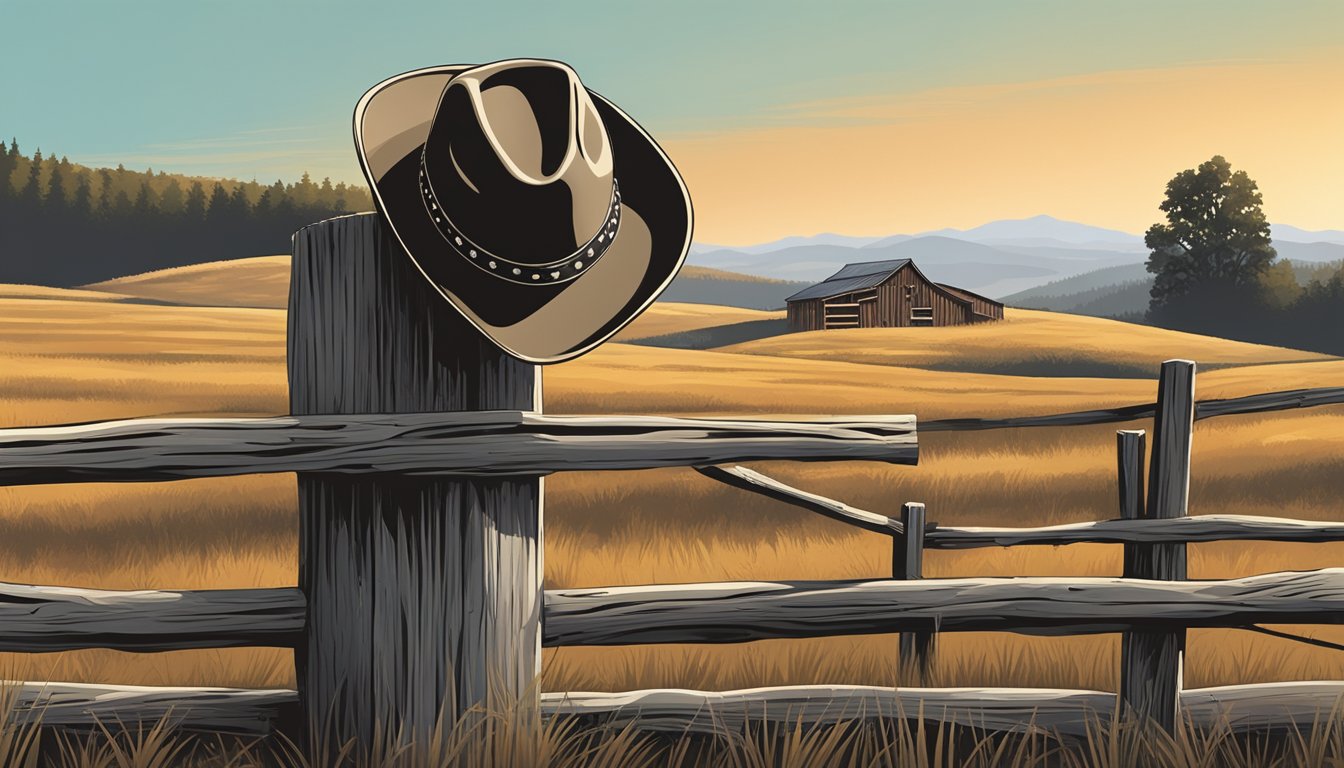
{"points": [[520, 161]]}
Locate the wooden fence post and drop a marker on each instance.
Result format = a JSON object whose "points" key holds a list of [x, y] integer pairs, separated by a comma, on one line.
{"points": [[1151, 660], [907, 563], [424, 595]]}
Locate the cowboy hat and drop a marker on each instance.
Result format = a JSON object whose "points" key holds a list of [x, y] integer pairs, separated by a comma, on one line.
{"points": [[543, 214]]}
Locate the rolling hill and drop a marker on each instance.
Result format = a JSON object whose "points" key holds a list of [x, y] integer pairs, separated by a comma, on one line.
{"points": [[263, 281], [260, 281], [1026, 342]]}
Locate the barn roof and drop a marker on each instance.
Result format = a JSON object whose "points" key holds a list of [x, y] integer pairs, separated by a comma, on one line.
{"points": [[851, 277]]}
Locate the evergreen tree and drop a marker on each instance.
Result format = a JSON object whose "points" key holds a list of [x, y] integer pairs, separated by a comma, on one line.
{"points": [[239, 207], [194, 210], [82, 205], [146, 202], [9, 160], [31, 196], [104, 194], [122, 207], [173, 199], [55, 199], [219, 205]]}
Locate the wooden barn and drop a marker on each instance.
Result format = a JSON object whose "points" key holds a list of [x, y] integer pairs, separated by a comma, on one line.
{"points": [[885, 294]]}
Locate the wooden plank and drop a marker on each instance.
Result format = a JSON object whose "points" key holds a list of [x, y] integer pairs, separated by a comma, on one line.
{"points": [[238, 711], [732, 612], [424, 593], [1261, 403], [40, 618], [248, 712], [496, 442], [1070, 713], [907, 564], [1152, 661], [1198, 528], [1130, 458], [755, 482]]}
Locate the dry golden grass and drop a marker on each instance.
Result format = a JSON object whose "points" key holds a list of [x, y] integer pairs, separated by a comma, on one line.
{"points": [[21, 291], [1026, 341], [64, 361], [260, 281], [666, 317]]}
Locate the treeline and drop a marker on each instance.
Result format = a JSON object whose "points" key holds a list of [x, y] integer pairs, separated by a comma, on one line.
{"points": [[1275, 309], [65, 224]]}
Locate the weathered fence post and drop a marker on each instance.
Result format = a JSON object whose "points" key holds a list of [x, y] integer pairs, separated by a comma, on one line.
{"points": [[907, 563], [424, 595], [1151, 660]]}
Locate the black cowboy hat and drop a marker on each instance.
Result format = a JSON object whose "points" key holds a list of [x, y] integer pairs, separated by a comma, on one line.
{"points": [[536, 207]]}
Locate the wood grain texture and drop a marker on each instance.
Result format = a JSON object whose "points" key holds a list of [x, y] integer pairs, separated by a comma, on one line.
{"points": [[1152, 660], [1272, 706], [731, 612], [477, 443], [1199, 528], [755, 482], [82, 706], [1259, 403], [40, 619], [424, 593], [1070, 713], [907, 564]]}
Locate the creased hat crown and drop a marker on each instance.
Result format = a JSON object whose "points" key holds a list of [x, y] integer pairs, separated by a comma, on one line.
{"points": [[519, 160]]}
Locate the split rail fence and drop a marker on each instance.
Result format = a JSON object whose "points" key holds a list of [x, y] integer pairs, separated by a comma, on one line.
{"points": [[419, 451]]}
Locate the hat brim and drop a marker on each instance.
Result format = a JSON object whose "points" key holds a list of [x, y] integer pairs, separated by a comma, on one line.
{"points": [[536, 323]]}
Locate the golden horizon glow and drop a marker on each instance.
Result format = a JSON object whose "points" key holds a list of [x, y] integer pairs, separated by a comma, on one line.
{"points": [[1096, 148]]}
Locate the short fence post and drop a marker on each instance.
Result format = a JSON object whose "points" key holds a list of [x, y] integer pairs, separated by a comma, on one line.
{"points": [[1151, 661], [907, 562], [424, 595]]}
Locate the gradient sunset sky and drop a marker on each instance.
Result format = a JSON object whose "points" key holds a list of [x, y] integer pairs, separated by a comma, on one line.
{"points": [[864, 118]]}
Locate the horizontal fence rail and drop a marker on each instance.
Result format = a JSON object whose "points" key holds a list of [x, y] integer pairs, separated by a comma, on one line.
{"points": [[1069, 713], [732, 612], [1193, 529], [1197, 528], [1204, 409], [237, 711], [1073, 714], [38, 618], [59, 618], [475, 443]]}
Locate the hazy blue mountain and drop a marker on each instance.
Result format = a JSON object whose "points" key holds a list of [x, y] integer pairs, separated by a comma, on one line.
{"points": [[1100, 279], [993, 271], [1285, 232], [1320, 251], [998, 259], [1042, 228], [825, 238]]}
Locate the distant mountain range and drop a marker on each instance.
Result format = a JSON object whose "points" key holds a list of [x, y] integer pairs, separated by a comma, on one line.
{"points": [[999, 259]]}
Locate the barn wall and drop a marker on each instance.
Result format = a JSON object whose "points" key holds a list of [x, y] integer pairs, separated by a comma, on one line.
{"points": [[895, 306], [887, 305]]}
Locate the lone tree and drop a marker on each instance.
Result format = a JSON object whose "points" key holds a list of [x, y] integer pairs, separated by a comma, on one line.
{"points": [[1215, 242]]}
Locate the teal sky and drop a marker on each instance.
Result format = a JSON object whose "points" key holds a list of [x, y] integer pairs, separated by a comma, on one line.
{"points": [[265, 89]]}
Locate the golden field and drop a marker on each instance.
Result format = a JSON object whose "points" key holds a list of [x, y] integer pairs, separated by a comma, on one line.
{"points": [[67, 358], [1026, 341]]}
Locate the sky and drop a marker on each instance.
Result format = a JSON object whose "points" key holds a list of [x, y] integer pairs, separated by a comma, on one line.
{"points": [[785, 118]]}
